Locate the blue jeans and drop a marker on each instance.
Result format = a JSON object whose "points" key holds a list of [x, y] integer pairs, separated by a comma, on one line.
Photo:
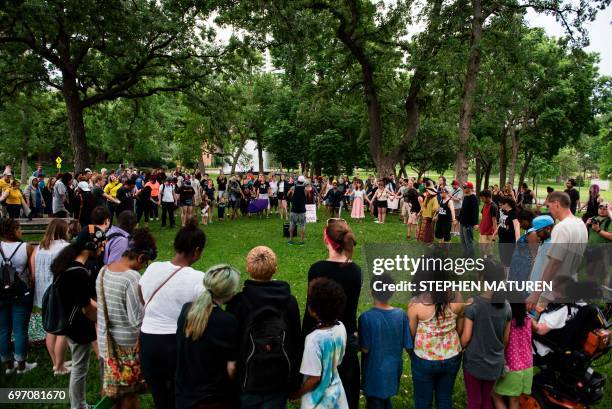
{"points": [[431, 378], [14, 319], [467, 240], [378, 403], [263, 401]]}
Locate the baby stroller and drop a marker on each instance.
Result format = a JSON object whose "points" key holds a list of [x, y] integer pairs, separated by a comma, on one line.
{"points": [[565, 378]]}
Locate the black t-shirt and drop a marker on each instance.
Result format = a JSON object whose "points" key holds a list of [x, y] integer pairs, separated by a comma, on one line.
{"points": [[145, 194], [246, 189], [186, 194], [298, 200], [335, 197], [221, 182], [574, 197], [71, 284], [444, 212], [349, 276], [506, 226], [87, 203], [98, 194], [210, 192], [201, 367], [262, 187], [125, 196]]}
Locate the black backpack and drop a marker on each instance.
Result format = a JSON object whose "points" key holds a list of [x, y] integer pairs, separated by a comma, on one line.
{"points": [[265, 351], [56, 319], [13, 283]]}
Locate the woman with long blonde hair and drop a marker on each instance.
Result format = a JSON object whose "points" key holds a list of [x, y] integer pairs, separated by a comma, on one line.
{"points": [[208, 339], [55, 239]]}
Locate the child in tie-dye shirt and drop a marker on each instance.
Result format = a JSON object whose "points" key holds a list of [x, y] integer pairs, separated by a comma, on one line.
{"points": [[324, 348]]}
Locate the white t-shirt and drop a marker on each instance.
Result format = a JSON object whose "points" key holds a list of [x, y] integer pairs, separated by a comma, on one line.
{"points": [[162, 313], [567, 243], [323, 352], [167, 192], [553, 320], [457, 194]]}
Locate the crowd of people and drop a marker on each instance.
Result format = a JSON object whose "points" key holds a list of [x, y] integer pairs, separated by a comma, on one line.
{"points": [[167, 329]]}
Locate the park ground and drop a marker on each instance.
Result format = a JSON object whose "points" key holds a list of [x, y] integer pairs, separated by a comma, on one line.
{"points": [[229, 242]]}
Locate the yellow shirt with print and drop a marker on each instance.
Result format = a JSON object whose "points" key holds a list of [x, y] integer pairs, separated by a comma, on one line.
{"points": [[111, 188], [430, 206], [14, 196]]}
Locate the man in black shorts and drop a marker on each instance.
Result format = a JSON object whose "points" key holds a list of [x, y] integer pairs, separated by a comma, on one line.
{"points": [[297, 217]]}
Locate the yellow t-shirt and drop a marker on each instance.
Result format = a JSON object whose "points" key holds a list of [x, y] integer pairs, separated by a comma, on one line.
{"points": [[4, 184], [111, 188], [14, 196], [430, 206]]}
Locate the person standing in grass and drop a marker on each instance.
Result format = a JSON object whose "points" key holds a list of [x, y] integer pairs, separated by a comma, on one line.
{"points": [[435, 319], [340, 242], [519, 361], [428, 211], [324, 349], [76, 293], [165, 287], [120, 309], [297, 216], [384, 333], [207, 342], [266, 306], [468, 218], [55, 239], [573, 194], [15, 302], [488, 223], [359, 197], [445, 217], [457, 198], [485, 334]]}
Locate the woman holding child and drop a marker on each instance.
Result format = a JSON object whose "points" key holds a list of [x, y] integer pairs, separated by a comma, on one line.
{"points": [[339, 267]]}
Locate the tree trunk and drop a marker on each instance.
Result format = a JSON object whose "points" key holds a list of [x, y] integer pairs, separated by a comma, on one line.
{"points": [[24, 149], [526, 162], [201, 165], [515, 150], [465, 113], [478, 175], [503, 157], [236, 157], [76, 124], [402, 171], [487, 174]]}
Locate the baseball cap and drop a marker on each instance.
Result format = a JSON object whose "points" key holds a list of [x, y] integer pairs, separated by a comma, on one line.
{"points": [[455, 183], [540, 223], [468, 185], [84, 186], [87, 170], [301, 179]]}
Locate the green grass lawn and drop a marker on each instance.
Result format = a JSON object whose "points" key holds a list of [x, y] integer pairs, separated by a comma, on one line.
{"points": [[229, 242]]}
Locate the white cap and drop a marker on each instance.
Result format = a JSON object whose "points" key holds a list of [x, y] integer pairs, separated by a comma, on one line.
{"points": [[87, 170], [301, 179], [84, 186]]}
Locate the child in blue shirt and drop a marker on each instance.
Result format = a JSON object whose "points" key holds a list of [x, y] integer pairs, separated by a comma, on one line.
{"points": [[383, 335]]}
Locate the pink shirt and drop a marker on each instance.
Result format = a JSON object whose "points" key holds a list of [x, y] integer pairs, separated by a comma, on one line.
{"points": [[518, 351]]}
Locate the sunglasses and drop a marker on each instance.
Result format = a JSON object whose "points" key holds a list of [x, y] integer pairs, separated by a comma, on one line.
{"points": [[603, 206], [335, 220]]}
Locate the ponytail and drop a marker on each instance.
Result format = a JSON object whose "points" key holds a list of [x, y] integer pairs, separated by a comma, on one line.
{"points": [[220, 282]]}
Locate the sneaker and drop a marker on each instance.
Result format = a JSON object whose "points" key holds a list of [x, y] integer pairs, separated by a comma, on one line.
{"points": [[9, 371], [67, 364], [28, 368], [301, 243], [290, 242]]}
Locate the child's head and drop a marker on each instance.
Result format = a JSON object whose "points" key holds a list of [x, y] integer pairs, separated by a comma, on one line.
{"points": [[326, 300], [382, 295], [261, 263]]}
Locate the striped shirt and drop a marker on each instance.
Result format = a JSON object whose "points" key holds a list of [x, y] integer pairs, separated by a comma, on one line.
{"points": [[125, 311]]}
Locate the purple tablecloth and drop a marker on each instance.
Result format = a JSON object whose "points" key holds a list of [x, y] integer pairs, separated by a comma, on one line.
{"points": [[257, 205]]}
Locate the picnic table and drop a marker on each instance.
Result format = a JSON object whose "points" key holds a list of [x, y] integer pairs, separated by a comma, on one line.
{"points": [[37, 225]]}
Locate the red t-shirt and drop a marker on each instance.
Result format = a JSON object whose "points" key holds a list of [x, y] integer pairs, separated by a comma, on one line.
{"points": [[489, 211]]}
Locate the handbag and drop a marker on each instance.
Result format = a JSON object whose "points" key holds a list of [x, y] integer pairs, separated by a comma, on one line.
{"points": [[122, 372]]}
